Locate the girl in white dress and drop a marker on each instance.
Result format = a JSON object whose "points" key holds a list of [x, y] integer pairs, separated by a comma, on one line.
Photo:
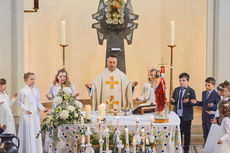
{"points": [[61, 79], [6, 116], [223, 144], [148, 93], [215, 128], [29, 125]]}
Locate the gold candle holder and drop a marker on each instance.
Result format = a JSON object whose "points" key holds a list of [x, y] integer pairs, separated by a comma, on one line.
{"points": [[63, 53], [171, 73], [31, 11]]}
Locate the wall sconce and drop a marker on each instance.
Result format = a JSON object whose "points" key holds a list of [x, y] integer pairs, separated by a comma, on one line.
{"points": [[35, 9]]}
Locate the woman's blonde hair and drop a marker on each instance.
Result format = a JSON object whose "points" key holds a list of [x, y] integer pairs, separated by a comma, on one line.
{"points": [[66, 83], [224, 109]]}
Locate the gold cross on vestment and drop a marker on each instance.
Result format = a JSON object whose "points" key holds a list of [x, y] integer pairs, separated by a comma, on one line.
{"points": [[112, 102], [111, 82]]}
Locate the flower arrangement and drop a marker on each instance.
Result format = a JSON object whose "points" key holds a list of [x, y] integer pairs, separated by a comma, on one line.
{"points": [[114, 12], [66, 111]]}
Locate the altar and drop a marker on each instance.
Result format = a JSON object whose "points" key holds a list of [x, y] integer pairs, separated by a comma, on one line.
{"points": [[166, 135]]}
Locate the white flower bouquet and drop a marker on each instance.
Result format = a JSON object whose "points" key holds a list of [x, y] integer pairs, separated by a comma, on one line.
{"points": [[66, 111]]}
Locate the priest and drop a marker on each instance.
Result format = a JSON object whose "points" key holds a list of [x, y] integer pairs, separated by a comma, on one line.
{"points": [[111, 85]]}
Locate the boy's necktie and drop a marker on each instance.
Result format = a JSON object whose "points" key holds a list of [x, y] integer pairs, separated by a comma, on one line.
{"points": [[180, 97]]}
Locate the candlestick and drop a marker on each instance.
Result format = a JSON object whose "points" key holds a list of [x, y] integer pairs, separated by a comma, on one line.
{"points": [[63, 54], [171, 73], [172, 33], [88, 111], [35, 9], [63, 23]]}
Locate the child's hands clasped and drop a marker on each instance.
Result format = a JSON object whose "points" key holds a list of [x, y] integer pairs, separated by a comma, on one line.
{"points": [[220, 142], [28, 112]]}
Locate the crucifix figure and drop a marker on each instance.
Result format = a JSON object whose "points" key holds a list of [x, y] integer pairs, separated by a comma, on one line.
{"points": [[115, 23]]}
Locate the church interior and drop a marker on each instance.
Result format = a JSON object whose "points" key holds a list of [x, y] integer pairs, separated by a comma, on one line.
{"points": [[184, 36]]}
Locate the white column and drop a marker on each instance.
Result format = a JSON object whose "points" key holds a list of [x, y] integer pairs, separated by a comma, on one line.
{"points": [[210, 38], [18, 48], [221, 41]]}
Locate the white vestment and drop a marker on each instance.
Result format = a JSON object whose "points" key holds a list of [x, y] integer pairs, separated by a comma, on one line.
{"points": [[224, 135], [29, 126], [6, 116], [148, 94], [112, 85]]}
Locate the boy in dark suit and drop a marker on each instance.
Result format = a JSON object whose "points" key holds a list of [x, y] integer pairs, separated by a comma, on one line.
{"points": [[210, 99], [182, 99], [2, 128]]}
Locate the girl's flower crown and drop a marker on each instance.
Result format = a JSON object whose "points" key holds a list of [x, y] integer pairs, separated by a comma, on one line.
{"points": [[227, 104]]}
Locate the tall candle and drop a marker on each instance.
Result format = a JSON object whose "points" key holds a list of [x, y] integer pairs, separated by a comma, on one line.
{"points": [[107, 138], [36, 4], [88, 111], [83, 140], [134, 145], [63, 23], [102, 111], [88, 134], [127, 139], [172, 33], [118, 121]]}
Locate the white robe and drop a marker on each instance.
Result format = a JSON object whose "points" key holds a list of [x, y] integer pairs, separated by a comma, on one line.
{"points": [[111, 84], [54, 89], [29, 125], [6, 116], [213, 135], [148, 94], [224, 135]]}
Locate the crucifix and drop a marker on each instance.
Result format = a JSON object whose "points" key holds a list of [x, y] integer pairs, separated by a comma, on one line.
{"points": [[115, 23], [162, 64]]}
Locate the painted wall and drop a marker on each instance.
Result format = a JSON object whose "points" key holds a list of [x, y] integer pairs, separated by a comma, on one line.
{"points": [[85, 58]]}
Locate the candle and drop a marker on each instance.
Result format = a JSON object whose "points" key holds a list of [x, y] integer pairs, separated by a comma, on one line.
{"points": [[88, 111], [83, 140], [127, 139], [88, 134], [172, 33], [118, 121], [107, 138], [36, 4], [102, 111], [151, 119], [63, 32], [134, 145], [82, 120], [147, 141], [88, 129], [142, 132]]}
